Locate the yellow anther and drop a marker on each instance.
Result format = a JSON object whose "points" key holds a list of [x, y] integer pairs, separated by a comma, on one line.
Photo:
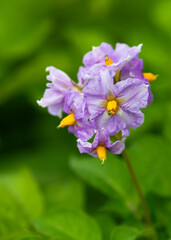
{"points": [[108, 60], [150, 77], [101, 152], [67, 121], [112, 106]]}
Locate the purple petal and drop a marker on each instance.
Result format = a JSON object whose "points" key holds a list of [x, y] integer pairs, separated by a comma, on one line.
{"points": [[86, 147], [74, 102], [102, 136], [59, 79], [50, 97], [53, 100], [132, 118], [123, 54], [133, 93], [95, 88], [82, 132], [125, 132], [133, 69], [117, 147], [56, 109], [95, 109], [98, 54], [114, 124], [106, 81]]}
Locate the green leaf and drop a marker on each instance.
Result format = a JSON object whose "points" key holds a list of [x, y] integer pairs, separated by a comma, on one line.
{"points": [[112, 179], [9, 212], [116, 207], [22, 186], [151, 161], [106, 224], [68, 225], [125, 233], [68, 192]]}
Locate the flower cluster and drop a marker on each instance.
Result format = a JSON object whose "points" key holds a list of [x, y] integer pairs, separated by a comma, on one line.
{"points": [[107, 99]]}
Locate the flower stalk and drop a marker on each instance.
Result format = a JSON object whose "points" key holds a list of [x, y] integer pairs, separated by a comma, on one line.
{"points": [[139, 193]]}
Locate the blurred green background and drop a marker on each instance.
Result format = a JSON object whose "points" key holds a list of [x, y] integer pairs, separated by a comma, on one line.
{"points": [[37, 173]]}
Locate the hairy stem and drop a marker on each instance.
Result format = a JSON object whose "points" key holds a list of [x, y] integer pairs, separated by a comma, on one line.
{"points": [[139, 192]]}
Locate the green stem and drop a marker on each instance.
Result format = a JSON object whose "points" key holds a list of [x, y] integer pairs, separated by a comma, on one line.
{"points": [[139, 192]]}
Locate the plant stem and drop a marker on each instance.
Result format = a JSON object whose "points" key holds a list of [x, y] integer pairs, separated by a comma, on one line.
{"points": [[139, 192]]}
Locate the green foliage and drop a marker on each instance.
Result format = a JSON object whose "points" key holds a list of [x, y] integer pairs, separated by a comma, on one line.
{"points": [[20, 199], [152, 166], [26, 194], [125, 233], [112, 179], [68, 225]]}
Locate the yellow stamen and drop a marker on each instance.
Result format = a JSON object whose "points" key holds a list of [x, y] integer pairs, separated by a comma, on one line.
{"points": [[108, 60], [112, 106], [101, 152], [67, 121], [150, 76]]}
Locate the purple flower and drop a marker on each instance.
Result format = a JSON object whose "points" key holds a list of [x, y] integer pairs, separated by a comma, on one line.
{"points": [[133, 69], [77, 119], [123, 63], [114, 59], [54, 96], [116, 106], [97, 55], [100, 144]]}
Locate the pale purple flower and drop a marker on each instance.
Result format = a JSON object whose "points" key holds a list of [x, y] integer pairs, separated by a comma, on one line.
{"points": [[97, 55], [116, 106], [120, 56], [54, 96], [133, 69], [75, 103], [125, 62], [101, 139]]}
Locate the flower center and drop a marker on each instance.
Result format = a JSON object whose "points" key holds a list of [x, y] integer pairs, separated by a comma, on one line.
{"points": [[67, 121], [112, 106], [101, 152], [108, 60]]}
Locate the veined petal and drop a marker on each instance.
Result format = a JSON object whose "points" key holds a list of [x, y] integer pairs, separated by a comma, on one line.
{"points": [[117, 147], [123, 54], [133, 118], [86, 147], [74, 102], [102, 119], [82, 132], [132, 93], [56, 109], [106, 81], [58, 77], [133, 69], [95, 88], [50, 97], [114, 124], [102, 137], [98, 54]]}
